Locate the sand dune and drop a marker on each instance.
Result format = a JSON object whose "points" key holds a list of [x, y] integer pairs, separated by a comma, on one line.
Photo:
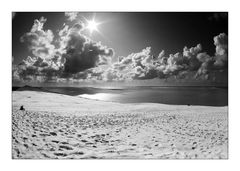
{"points": [[60, 126]]}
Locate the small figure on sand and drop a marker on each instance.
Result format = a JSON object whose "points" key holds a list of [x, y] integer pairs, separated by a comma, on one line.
{"points": [[22, 108]]}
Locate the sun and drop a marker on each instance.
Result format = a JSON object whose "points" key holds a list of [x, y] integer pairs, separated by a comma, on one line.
{"points": [[92, 25]]}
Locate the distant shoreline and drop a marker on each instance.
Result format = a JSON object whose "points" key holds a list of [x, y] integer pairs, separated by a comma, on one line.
{"points": [[115, 88]]}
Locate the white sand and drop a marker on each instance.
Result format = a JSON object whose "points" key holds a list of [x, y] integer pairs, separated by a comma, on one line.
{"points": [[61, 126]]}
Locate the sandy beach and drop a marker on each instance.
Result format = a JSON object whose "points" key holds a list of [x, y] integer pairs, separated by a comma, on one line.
{"points": [[56, 126]]}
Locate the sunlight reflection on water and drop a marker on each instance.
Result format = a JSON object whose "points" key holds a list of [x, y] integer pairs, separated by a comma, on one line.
{"points": [[172, 95], [98, 96]]}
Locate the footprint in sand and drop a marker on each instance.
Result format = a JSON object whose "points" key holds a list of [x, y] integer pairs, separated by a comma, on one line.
{"points": [[65, 147], [53, 133], [60, 154], [34, 144], [54, 141], [78, 153], [89, 143], [84, 141], [43, 135]]}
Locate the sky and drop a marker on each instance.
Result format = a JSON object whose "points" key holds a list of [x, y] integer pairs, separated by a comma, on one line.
{"points": [[148, 48]]}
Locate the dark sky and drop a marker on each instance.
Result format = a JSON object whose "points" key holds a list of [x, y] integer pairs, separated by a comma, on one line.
{"points": [[130, 32]]}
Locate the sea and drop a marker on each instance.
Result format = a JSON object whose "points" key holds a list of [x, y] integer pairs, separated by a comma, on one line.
{"points": [[184, 95], [205, 96]]}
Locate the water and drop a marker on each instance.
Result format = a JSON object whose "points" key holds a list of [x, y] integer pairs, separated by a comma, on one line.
{"points": [[206, 96]]}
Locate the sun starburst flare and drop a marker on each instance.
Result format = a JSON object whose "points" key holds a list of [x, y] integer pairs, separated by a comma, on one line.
{"points": [[92, 25]]}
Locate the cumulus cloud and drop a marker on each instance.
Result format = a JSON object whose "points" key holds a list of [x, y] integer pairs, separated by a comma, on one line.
{"points": [[34, 68], [217, 62], [39, 41], [71, 16], [161, 54], [206, 64], [45, 62], [135, 66], [191, 56], [143, 65], [81, 53], [71, 55], [221, 55]]}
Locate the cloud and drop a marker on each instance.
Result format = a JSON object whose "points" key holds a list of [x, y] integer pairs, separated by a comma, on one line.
{"points": [[81, 53], [134, 66], [71, 16], [191, 56], [143, 65], [46, 62], [39, 41], [218, 16], [221, 55], [33, 68], [71, 55], [161, 54], [206, 64], [219, 61]]}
